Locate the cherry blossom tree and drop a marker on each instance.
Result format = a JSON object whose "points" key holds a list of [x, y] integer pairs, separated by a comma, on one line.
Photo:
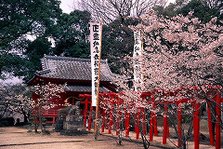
{"points": [[17, 99], [180, 51], [14, 101], [182, 58], [45, 94]]}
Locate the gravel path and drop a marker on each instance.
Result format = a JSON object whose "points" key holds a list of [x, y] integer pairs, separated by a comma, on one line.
{"points": [[18, 138]]}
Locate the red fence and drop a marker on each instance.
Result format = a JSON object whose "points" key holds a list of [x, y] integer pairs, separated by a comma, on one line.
{"points": [[107, 116]]}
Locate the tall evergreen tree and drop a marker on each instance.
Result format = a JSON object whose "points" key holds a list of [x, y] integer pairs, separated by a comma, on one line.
{"points": [[22, 17], [29, 29], [202, 9], [71, 34], [21, 20], [117, 42]]}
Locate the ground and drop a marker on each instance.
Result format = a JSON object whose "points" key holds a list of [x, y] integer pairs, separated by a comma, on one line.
{"points": [[18, 138]]}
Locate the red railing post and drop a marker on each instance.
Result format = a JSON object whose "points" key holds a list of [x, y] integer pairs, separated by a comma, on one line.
{"points": [[179, 125], [210, 123], [165, 124], [137, 123], [218, 122], [143, 120], [118, 116], [196, 125], [155, 122], [127, 120]]}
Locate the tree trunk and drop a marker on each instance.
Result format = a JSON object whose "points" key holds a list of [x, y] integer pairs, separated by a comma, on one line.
{"points": [[36, 127], [25, 116], [40, 120]]}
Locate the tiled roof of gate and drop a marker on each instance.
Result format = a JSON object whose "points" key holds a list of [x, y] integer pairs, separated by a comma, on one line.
{"points": [[71, 68]]}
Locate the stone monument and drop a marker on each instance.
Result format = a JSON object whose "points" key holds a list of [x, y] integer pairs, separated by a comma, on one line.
{"points": [[73, 123]]}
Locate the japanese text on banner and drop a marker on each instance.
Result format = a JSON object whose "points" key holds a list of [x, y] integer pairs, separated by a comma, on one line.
{"points": [[95, 44], [137, 52]]}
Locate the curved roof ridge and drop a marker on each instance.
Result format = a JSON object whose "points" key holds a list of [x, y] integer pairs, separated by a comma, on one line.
{"points": [[42, 72], [70, 58]]}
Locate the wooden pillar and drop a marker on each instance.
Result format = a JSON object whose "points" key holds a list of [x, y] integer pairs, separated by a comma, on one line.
{"points": [[165, 124], [196, 124], [218, 122], [85, 111], [127, 121], [210, 128], [179, 125]]}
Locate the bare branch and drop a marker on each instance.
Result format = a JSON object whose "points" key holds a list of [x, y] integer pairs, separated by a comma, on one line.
{"points": [[109, 10]]}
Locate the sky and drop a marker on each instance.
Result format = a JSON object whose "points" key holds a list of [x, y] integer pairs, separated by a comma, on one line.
{"points": [[67, 5]]}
